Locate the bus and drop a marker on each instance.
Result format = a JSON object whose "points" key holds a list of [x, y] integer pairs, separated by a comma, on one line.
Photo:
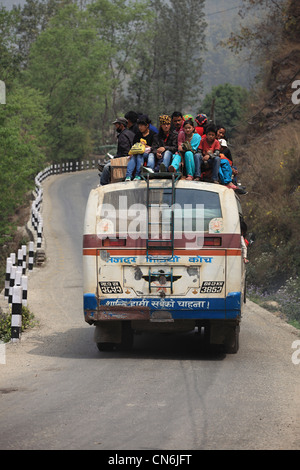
{"points": [[163, 255]]}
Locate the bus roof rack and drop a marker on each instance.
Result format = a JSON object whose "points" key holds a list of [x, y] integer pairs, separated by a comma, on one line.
{"points": [[160, 175]]}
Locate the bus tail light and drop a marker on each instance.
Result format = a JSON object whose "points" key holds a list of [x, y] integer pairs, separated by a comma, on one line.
{"points": [[114, 242], [212, 241]]}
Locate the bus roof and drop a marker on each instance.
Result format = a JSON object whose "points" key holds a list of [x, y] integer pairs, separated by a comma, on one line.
{"points": [[162, 183]]}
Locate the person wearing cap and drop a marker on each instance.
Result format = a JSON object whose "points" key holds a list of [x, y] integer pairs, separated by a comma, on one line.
{"points": [[164, 145], [125, 140], [132, 118], [221, 135], [125, 137], [145, 134], [227, 172], [201, 121]]}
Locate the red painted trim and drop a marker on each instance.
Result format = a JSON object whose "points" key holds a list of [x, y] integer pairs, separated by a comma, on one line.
{"points": [[184, 252]]}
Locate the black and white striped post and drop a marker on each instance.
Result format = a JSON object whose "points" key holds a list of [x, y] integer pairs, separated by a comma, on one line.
{"points": [[20, 258], [39, 233], [16, 314], [30, 256], [7, 278], [13, 258], [12, 282], [18, 276], [24, 284], [24, 263]]}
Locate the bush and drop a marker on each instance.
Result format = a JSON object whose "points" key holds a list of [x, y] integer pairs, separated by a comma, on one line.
{"points": [[288, 297], [28, 321], [286, 300]]}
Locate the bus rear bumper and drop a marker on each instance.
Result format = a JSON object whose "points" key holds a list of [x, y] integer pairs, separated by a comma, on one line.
{"points": [[155, 309]]}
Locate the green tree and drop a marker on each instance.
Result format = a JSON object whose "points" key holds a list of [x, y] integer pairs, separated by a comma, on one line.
{"points": [[123, 25], [10, 57], [168, 58], [23, 139], [33, 18], [228, 103], [68, 63]]}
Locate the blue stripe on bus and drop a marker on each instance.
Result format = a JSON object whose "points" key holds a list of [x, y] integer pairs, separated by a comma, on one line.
{"points": [[180, 308]]}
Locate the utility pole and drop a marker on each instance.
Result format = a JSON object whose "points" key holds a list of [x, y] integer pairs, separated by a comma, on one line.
{"points": [[2, 93], [212, 111]]}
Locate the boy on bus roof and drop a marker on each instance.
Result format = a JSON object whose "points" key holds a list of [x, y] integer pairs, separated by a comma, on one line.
{"points": [[210, 153]]}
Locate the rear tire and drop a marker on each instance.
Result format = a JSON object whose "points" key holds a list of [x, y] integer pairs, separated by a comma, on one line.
{"points": [[127, 336], [232, 340]]}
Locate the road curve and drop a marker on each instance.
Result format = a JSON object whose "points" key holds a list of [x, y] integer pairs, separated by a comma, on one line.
{"points": [[59, 392]]}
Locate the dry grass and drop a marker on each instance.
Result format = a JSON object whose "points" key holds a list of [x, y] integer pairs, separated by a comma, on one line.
{"points": [[271, 172]]}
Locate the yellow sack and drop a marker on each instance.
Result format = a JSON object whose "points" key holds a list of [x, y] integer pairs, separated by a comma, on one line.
{"points": [[137, 148]]}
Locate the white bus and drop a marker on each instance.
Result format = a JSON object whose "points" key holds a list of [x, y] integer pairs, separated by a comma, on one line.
{"points": [[163, 255]]}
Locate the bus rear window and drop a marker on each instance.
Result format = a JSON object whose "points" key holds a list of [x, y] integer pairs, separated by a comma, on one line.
{"points": [[124, 206], [190, 199]]}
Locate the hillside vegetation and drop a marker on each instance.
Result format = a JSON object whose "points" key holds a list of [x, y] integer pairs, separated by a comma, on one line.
{"points": [[267, 147]]}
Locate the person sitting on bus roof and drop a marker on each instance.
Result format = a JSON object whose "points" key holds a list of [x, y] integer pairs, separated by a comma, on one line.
{"points": [[136, 162], [177, 121], [151, 126], [188, 149], [132, 118], [210, 153], [244, 241], [177, 126], [201, 120], [125, 140], [221, 134], [225, 170], [164, 145]]}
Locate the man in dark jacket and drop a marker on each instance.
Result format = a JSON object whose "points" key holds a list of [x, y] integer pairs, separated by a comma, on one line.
{"points": [[164, 145], [125, 140]]}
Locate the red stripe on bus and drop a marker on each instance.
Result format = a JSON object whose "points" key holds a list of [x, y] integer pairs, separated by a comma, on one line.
{"points": [[195, 252]]}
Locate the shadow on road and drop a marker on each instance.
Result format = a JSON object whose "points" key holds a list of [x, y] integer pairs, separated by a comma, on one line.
{"points": [[78, 343]]}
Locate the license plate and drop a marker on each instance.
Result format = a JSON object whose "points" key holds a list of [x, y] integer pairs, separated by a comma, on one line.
{"points": [[212, 287], [111, 287]]}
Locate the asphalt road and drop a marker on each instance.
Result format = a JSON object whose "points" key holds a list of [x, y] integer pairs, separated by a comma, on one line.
{"points": [[57, 391]]}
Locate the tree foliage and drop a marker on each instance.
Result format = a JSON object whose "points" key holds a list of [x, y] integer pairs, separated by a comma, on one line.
{"points": [[264, 33], [23, 137], [10, 56], [168, 58], [68, 64], [228, 103]]}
